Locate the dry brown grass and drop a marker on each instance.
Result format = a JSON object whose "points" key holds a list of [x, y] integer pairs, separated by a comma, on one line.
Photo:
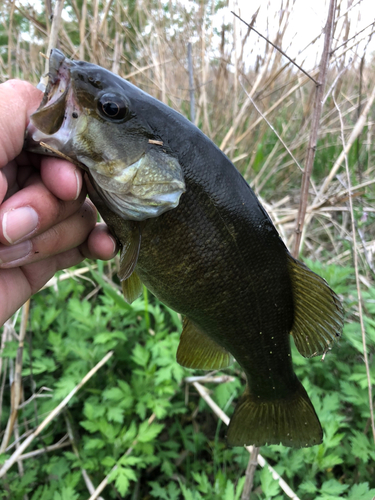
{"points": [[153, 55]]}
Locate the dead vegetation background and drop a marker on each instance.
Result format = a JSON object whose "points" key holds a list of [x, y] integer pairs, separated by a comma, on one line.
{"points": [[146, 42], [253, 102]]}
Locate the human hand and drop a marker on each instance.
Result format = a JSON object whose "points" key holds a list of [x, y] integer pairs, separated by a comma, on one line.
{"points": [[46, 221]]}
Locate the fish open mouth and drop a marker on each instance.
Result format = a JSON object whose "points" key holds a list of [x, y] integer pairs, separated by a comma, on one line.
{"points": [[54, 121]]}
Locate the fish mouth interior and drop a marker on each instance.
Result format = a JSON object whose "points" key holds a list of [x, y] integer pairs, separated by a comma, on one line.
{"points": [[58, 78], [54, 120]]}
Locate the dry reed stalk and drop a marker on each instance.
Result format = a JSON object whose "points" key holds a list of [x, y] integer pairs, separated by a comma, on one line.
{"points": [[103, 22], [273, 129], [55, 28], [249, 474], [94, 33], [82, 29], [37, 453], [19, 462], [231, 151], [246, 104], [280, 101], [260, 459], [206, 128], [191, 83], [209, 378], [8, 333], [351, 38], [358, 127], [14, 457], [352, 47], [319, 92], [17, 383], [12, 4], [119, 38], [70, 275], [360, 300]]}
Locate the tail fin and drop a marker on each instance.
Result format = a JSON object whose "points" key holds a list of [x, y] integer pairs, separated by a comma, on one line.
{"points": [[290, 421]]}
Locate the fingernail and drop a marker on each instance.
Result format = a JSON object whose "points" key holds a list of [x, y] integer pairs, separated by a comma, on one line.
{"points": [[114, 251], [79, 185], [18, 223], [15, 252]]}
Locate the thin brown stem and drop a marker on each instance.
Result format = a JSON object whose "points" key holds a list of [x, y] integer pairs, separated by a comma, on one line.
{"points": [[17, 384], [277, 48], [250, 472], [358, 285], [317, 111]]}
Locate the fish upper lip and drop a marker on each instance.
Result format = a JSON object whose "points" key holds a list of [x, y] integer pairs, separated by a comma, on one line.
{"points": [[59, 78]]}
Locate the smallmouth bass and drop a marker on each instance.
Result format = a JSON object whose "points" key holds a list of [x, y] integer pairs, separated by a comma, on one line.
{"points": [[192, 230]]}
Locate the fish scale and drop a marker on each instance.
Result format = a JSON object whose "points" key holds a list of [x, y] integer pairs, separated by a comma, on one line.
{"points": [[194, 233]]}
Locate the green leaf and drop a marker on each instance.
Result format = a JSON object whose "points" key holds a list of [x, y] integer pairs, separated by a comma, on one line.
{"points": [[40, 366], [333, 487], [148, 432], [10, 350], [229, 491], [361, 446], [170, 492], [361, 492], [94, 443], [239, 488], [108, 462], [122, 477], [308, 487], [270, 487], [157, 491], [115, 414], [140, 355], [113, 394], [66, 493]]}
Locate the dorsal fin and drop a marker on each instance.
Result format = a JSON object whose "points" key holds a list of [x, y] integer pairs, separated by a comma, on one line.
{"points": [[318, 312], [198, 350], [132, 288], [130, 252]]}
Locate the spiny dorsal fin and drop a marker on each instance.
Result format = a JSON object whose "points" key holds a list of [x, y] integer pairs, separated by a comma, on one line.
{"points": [[132, 288], [318, 312], [197, 350], [130, 253]]}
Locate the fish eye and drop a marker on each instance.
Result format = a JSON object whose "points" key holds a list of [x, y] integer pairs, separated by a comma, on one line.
{"points": [[112, 106]]}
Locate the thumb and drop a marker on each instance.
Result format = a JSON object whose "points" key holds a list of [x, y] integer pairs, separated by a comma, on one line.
{"points": [[18, 100]]}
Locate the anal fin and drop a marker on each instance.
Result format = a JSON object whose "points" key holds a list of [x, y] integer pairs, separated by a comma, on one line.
{"points": [[132, 288], [198, 350], [318, 312]]}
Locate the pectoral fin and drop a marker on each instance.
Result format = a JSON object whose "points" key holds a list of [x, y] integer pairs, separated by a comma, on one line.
{"points": [[198, 350], [318, 312], [130, 252], [132, 288]]}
